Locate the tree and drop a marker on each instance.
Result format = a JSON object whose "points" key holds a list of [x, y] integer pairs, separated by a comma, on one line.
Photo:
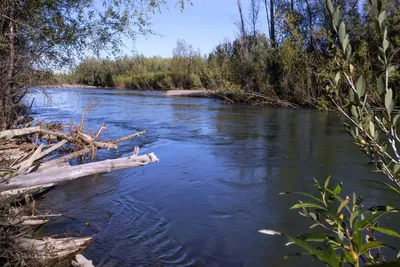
{"points": [[254, 16], [270, 11], [349, 232], [39, 35]]}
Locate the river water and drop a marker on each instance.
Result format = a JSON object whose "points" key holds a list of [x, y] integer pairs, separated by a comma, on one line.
{"points": [[218, 180]]}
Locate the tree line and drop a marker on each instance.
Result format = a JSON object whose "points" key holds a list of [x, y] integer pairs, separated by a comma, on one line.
{"points": [[292, 60]]}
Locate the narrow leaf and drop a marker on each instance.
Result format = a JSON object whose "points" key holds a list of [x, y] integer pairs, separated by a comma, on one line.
{"points": [[388, 100], [386, 231], [307, 205], [342, 32], [361, 86]]}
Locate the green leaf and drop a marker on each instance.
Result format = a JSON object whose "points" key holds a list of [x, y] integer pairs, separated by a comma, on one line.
{"points": [[330, 6], [348, 51], [302, 194], [361, 86], [378, 211], [315, 237], [315, 252], [307, 205], [388, 100], [396, 118], [386, 184], [381, 85], [327, 182], [335, 192], [337, 78], [338, 189], [342, 32], [371, 245], [357, 240], [382, 17], [345, 42], [372, 128], [354, 111], [330, 253], [338, 15], [385, 45], [386, 231]]}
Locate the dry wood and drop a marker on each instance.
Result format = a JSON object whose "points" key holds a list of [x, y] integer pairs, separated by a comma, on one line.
{"points": [[81, 261], [58, 175], [71, 156], [28, 220], [8, 134], [23, 146], [28, 163], [47, 250], [24, 167], [125, 138], [22, 192]]}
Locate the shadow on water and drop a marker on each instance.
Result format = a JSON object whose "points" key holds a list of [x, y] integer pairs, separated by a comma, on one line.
{"points": [[221, 169]]}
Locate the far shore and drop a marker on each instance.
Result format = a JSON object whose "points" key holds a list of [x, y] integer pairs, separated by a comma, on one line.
{"points": [[173, 92]]}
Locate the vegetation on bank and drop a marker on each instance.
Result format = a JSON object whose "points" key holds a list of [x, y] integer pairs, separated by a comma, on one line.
{"points": [[346, 232], [294, 64]]}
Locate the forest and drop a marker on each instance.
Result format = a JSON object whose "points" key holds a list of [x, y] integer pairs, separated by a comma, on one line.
{"points": [[292, 61]]}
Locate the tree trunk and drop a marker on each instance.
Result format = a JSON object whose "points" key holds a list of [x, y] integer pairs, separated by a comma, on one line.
{"points": [[268, 20], [310, 23], [6, 101], [242, 26], [272, 14]]}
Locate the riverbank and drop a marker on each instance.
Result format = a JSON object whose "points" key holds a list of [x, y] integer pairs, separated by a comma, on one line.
{"points": [[229, 96], [192, 93]]}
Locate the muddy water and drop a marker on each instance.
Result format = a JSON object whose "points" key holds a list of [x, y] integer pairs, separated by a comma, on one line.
{"points": [[221, 169]]}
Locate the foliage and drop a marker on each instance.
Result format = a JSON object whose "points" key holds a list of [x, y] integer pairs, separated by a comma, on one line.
{"points": [[349, 231], [38, 36]]}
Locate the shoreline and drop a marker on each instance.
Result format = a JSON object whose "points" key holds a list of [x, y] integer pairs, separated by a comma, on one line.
{"points": [[201, 93]]}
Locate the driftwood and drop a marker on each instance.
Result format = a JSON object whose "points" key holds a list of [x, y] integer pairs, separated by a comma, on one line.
{"points": [[20, 193], [42, 252], [58, 175], [30, 164], [28, 220], [81, 261]]}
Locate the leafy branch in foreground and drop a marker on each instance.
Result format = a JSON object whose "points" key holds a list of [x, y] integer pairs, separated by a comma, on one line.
{"points": [[368, 107], [348, 230]]}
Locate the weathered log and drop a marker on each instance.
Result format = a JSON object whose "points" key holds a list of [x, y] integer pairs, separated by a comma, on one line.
{"points": [[8, 134], [28, 220], [65, 158], [58, 175], [24, 166], [81, 261], [125, 138], [22, 192], [50, 249]]}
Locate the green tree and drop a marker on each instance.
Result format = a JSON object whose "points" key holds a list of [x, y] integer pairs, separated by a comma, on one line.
{"points": [[40, 35]]}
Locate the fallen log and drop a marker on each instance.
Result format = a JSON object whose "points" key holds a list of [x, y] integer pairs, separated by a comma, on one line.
{"points": [[47, 250], [62, 174], [22, 192], [28, 220]]}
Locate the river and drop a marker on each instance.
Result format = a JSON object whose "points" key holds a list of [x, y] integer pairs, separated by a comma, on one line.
{"points": [[218, 180]]}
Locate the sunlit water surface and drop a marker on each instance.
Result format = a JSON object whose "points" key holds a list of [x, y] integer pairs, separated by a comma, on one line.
{"points": [[220, 172]]}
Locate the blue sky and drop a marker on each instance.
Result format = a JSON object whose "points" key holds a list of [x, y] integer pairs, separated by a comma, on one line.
{"points": [[204, 25]]}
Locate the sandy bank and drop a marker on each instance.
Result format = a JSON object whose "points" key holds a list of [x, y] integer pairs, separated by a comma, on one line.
{"points": [[191, 93]]}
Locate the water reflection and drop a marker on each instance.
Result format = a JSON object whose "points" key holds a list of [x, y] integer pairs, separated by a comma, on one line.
{"points": [[221, 169]]}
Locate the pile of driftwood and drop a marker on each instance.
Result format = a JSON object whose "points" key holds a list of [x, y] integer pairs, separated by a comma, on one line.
{"points": [[37, 158]]}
